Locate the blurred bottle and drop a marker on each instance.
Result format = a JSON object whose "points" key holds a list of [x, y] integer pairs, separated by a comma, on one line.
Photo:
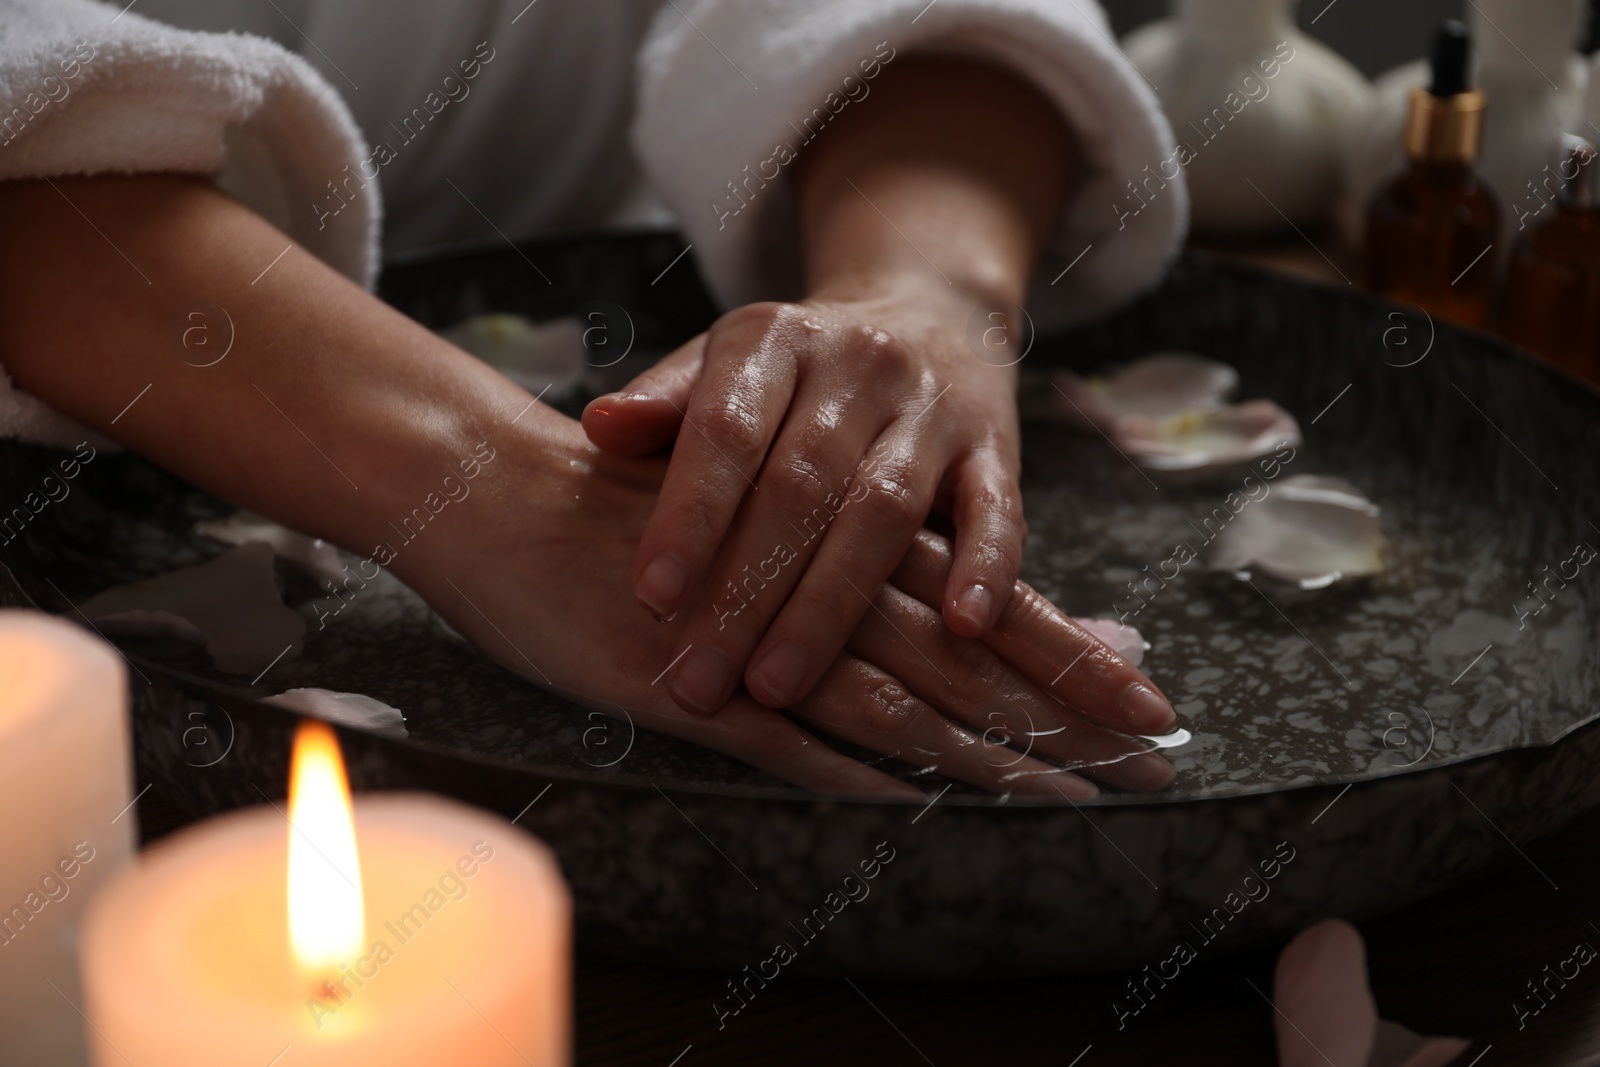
{"points": [[1534, 80], [1431, 231], [1552, 298]]}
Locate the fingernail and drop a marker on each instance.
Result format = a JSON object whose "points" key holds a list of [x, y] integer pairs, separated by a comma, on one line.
{"points": [[975, 604], [1146, 710], [662, 583], [781, 672], [703, 679], [1145, 773]]}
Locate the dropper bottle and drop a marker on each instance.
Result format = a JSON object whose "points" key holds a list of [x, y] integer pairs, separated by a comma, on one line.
{"points": [[1431, 231], [1552, 298]]}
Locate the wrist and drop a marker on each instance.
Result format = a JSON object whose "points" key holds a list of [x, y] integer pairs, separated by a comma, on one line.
{"points": [[464, 480], [900, 234]]}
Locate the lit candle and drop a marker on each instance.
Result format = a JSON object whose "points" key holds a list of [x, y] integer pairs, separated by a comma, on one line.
{"points": [[64, 796], [411, 930]]}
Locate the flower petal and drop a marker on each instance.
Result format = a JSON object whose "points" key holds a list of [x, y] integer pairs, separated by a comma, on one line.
{"points": [[1122, 639], [1206, 440], [1158, 386], [232, 599], [345, 709], [1324, 1013], [1310, 529], [1398, 1047], [313, 555]]}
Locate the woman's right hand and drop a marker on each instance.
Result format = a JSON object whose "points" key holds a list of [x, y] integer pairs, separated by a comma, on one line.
{"points": [[538, 577]]}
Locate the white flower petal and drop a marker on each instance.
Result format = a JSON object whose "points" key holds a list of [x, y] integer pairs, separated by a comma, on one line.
{"points": [[1310, 529], [1206, 440], [1158, 386], [313, 555], [535, 355], [1122, 639], [345, 709], [233, 600]]}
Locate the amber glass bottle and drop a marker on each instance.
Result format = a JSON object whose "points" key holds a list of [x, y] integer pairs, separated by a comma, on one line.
{"points": [[1431, 231], [1552, 299]]}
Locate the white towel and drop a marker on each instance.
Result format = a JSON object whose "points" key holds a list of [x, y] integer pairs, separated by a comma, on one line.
{"points": [[85, 89], [541, 146], [724, 81]]}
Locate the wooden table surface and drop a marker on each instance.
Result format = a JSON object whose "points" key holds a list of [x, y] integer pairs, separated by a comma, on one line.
{"points": [[1454, 964]]}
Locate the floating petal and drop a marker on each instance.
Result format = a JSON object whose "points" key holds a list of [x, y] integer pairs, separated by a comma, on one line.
{"points": [[233, 600], [1207, 440], [313, 555], [1122, 639], [1159, 386], [1311, 530], [344, 709]]}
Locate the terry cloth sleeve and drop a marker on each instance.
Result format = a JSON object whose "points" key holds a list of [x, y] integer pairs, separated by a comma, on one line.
{"points": [[89, 88], [725, 86]]}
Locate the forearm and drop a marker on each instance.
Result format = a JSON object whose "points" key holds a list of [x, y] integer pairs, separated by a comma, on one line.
{"points": [[330, 412], [952, 171]]}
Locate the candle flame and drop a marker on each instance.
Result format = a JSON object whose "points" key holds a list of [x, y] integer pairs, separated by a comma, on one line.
{"points": [[326, 924]]}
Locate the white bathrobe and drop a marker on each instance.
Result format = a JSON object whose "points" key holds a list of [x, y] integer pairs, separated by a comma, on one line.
{"points": [[466, 119]]}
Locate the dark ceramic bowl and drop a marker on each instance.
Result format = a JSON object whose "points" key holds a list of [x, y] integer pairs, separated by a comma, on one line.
{"points": [[1354, 749]]}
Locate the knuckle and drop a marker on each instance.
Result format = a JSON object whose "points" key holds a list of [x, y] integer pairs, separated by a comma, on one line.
{"points": [[975, 671], [799, 485], [995, 556], [888, 709], [1027, 609], [829, 616], [733, 427], [892, 499], [697, 519], [757, 317], [884, 350]]}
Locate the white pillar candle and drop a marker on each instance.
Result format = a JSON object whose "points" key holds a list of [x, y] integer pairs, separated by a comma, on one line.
{"points": [[463, 955], [64, 794]]}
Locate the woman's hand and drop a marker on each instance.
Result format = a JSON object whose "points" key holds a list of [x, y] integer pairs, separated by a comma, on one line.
{"points": [[333, 414], [836, 426], [813, 440], [537, 576]]}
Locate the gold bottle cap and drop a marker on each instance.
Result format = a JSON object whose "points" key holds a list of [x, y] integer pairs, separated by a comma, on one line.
{"points": [[1444, 129]]}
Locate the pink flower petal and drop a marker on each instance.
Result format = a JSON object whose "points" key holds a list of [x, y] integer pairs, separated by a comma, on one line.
{"points": [[1124, 640], [1398, 1047], [1324, 1013]]}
